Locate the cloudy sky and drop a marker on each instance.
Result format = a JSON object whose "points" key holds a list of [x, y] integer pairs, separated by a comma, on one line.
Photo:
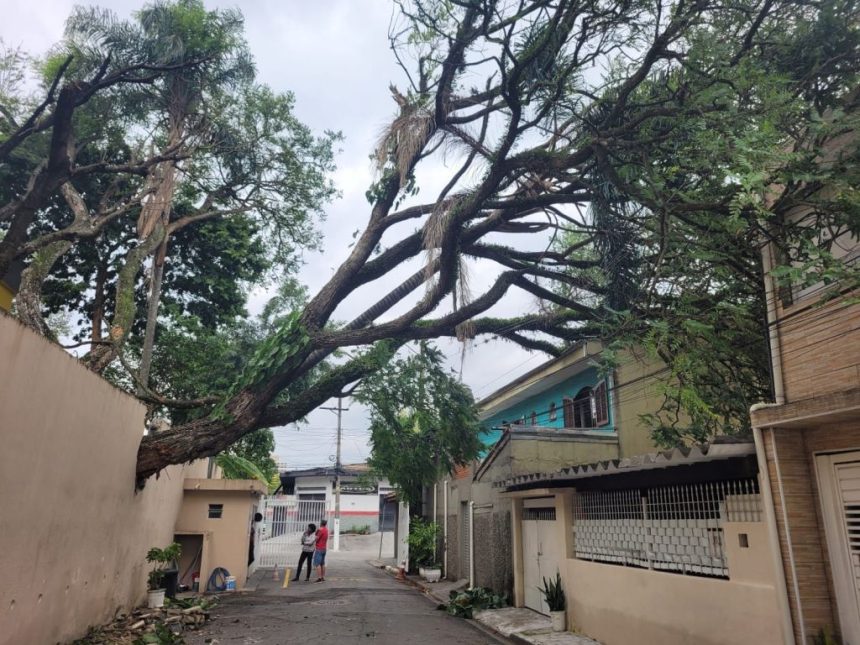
{"points": [[334, 55]]}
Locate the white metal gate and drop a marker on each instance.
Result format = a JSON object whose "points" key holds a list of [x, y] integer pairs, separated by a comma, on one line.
{"points": [[284, 521]]}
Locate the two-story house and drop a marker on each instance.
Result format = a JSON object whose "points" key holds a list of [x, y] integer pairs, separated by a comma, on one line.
{"points": [[566, 411], [809, 438]]}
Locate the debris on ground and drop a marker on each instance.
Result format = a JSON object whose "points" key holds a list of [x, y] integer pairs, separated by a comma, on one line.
{"points": [[163, 626]]}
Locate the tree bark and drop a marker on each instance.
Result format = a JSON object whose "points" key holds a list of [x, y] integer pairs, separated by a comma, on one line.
{"points": [[28, 301], [126, 309], [151, 321]]}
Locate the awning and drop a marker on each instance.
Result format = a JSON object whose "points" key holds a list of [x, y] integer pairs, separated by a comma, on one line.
{"points": [[706, 453]]}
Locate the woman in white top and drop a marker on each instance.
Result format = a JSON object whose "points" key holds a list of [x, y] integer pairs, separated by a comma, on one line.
{"points": [[308, 541]]}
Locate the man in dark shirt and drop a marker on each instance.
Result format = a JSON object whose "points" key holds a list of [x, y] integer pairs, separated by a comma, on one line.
{"points": [[321, 546]]}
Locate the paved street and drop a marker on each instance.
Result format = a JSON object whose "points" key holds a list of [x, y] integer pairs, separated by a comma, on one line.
{"points": [[356, 604]]}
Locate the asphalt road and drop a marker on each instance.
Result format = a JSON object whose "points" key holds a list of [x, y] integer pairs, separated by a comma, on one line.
{"points": [[356, 604]]}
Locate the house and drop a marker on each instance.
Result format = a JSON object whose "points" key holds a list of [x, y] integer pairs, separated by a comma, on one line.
{"points": [[564, 412], [361, 497], [808, 440], [217, 526], [662, 548]]}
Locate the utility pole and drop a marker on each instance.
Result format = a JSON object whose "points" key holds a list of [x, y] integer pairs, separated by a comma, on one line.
{"points": [[337, 468]]}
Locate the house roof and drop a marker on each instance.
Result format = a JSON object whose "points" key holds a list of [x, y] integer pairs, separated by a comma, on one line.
{"points": [[329, 471], [544, 376], [721, 450]]}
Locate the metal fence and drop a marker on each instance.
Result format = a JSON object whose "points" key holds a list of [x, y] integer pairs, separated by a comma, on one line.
{"points": [[670, 528], [284, 521]]}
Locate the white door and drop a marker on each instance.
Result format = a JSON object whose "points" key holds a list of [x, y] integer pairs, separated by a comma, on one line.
{"points": [[531, 566], [839, 483], [541, 550]]}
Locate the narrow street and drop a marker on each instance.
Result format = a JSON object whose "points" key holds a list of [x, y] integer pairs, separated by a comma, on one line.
{"points": [[356, 604]]}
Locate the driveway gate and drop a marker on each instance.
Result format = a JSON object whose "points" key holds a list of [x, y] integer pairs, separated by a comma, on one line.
{"points": [[284, 521]]}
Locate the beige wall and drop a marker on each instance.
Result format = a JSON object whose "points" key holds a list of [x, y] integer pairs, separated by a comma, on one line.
{"points": [[619, 605], [638, 379], [545, 455], [73, 532], [225, 540]]}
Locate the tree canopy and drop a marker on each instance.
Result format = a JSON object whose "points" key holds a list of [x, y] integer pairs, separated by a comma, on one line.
{"points": [[620, 162], [423, 421]]}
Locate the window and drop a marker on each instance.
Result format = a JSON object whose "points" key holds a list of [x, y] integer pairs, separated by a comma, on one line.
{"points": [[582, 413], [601, 405], [534, 418], [215, 511], [567, 404], [553, 413]]}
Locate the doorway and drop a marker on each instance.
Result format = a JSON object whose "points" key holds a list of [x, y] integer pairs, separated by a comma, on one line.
{"points": [[839, 484], [541, 549]]}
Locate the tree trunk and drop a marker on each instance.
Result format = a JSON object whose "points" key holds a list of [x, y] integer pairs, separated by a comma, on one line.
{"points": [[151, 320], [99, 302], [126, 308], [28, 301]]}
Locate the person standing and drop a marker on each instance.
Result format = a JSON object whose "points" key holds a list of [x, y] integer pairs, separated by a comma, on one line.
{"points": [[321, 547], [309, 540]]}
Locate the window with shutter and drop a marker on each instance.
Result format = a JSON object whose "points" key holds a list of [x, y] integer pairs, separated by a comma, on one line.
{"points": [[567, 405], [601, 405]]}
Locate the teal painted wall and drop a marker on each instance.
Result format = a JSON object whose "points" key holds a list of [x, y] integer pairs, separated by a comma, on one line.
{"points": [[539, 403]]}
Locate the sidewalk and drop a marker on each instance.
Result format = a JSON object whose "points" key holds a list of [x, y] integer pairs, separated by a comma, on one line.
{"points": [[513, 623]]}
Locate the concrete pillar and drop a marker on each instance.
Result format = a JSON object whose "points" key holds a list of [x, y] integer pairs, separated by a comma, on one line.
{"points": [[517, 550]]}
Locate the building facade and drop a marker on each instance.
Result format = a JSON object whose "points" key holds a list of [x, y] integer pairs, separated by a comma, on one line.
{"points": [[362, 499], [809, 442], [565, 412]]}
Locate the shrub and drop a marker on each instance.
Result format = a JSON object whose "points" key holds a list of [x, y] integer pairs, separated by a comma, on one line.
{"points": [[422, 543], [465, 603]]}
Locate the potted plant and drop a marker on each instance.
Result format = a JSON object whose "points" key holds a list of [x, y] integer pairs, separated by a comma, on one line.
{"points": [[162, 558], [422, 549], [554, 596]]}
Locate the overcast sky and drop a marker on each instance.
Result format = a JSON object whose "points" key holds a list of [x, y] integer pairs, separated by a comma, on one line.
{"points": [[334, 55]]}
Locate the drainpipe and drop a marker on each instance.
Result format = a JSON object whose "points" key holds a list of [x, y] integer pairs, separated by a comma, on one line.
{"points": [[775, 351], [445, 527], [471, 545], [773, 328], [436, 541], [773, 539]]}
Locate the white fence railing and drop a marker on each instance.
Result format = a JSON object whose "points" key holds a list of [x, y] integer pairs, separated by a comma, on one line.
{"points": [[284, 521], [671, 528]]}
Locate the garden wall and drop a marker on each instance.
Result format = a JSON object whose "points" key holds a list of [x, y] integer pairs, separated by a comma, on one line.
{"points": [[73, 531]]}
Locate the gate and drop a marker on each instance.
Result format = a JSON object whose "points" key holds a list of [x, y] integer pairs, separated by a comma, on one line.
{"points": [[284, 521]]}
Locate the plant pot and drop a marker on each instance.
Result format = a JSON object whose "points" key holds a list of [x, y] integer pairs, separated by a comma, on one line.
{"points": [[558, 620], [155, 598], [431, 574]]}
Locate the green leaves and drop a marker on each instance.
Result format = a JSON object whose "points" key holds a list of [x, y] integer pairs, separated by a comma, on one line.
{"points": [[423, 421], [237, 467]]}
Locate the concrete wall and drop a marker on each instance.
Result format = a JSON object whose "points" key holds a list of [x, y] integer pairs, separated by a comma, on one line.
{"points": [[73, 531], [619, 605], [226, 540], [638, 380], [547, 454]]}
